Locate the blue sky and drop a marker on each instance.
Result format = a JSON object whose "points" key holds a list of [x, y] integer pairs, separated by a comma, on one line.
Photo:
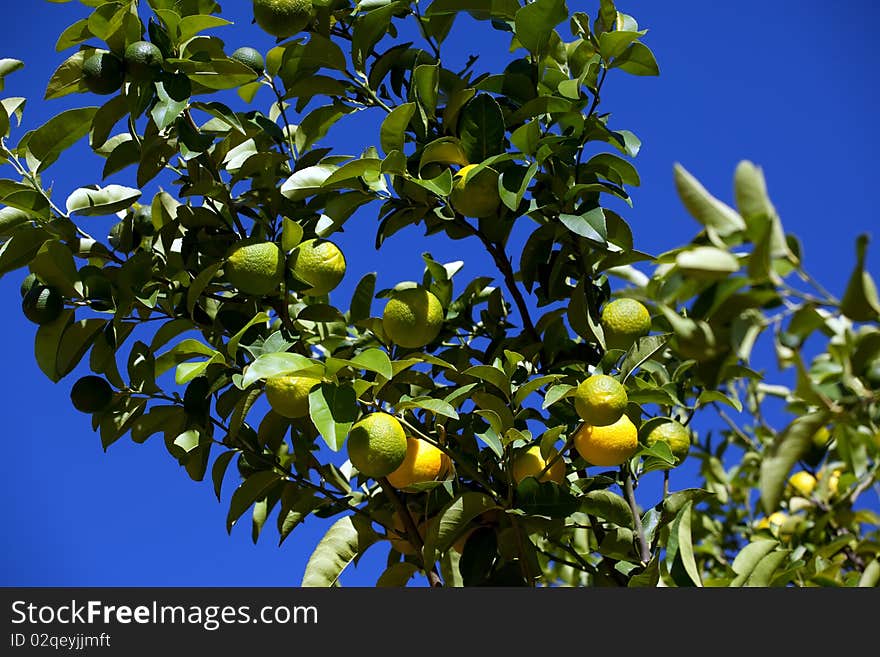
{"points": [[788, 84]]}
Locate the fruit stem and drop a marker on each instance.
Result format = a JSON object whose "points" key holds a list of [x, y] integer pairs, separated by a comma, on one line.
{"points": [[665, 484], [412, 531], [644, 549]]}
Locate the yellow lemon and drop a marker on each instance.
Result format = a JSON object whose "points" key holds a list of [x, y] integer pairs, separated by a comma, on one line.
{"points": [[609, 445], [423, 462], [530, 463], [600, 400], [803, 483], [288, 395]]}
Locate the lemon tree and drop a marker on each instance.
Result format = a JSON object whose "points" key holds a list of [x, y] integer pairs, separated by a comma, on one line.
{"points": [[228, 278]]}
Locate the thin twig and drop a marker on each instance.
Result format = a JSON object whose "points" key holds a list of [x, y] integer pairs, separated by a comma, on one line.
{"points": [[412, 531]]}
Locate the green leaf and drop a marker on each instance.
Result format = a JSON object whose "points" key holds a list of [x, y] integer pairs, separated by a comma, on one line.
{"points": [[198, 285], [789, 446], [590, 225], [749, 557], [392, 132], [97, 201], [871, 575], [53, 264], [368, 31], [232, 345], [534, 23], [47, 342], [491, 375], [255, 487], [860, 301], [481, 128], [269, 365], [67, 78], [346, 539], [77, 339], [47, 142], [21, 248], [397, 575], [704, 207], [681, 544], [547, 499], [707, 262], [641, 352], [333, 409], [447, 525], [608, 506], [362, 299], [374, 360], [763, 572], [437, 406], [637, 60]]}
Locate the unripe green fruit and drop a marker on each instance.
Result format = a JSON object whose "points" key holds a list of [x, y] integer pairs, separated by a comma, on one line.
{"points": [[143, 61], [250, 57], [102, 73], [42, 304], [91, 394], [283, 18]]}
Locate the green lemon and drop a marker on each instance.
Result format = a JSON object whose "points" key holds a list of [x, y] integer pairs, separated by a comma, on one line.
{"points": [[283, 18], [319, 263], [91, 394], [600, 400], [289, 395], [624, 321], [674, 434], [475, 195], [256, 269], [42, 304], [102, 73], [377, 445], [412, 318], [250, 57], [143, 61]]}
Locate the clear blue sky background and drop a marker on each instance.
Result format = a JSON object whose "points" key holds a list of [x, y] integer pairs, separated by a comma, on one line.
{"points": [[789, 84]]}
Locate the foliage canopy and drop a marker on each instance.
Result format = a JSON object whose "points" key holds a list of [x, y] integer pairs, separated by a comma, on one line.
{"points": [[160, 302]]}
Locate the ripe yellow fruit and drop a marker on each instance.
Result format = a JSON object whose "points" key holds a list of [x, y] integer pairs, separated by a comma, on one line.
{"points": [[256, 269], [803, 483], [530, 463], [412, 318], [773, 522], [609, 445], [283, 18], [476, 196], [673, 434], [319, 263], [288, 395], [624, 321], [600, 400], [423, 462], [377, 445]]}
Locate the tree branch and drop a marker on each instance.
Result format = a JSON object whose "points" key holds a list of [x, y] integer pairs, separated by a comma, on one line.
{"points": [[644, 548], [412, 530]]}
